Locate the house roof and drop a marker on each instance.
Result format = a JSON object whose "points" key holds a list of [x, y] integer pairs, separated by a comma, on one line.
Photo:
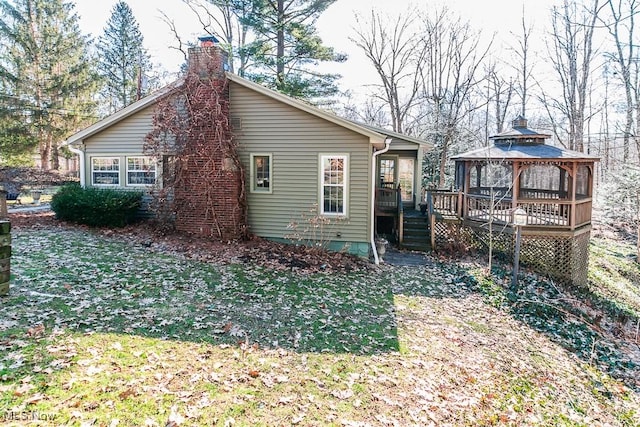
{"points": [[524, 152], [377, 136], [396, 135]]}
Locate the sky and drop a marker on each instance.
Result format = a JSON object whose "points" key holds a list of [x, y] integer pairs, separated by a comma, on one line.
{"points": [[501, 18]]}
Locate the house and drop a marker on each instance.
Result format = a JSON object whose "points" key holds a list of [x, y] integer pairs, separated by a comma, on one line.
{"points": [[293, 155]]}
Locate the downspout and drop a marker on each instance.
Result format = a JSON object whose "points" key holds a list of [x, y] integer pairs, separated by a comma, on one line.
{"points": [[80, 153], [374, 164]]}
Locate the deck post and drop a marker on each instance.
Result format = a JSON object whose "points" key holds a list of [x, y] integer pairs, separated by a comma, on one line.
{"points": [[516, 185], [574, 182], [519, 219], [400, 215]]}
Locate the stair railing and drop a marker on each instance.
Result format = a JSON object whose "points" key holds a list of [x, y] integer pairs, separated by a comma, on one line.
{"points": [[431, 219], [400, 215]]}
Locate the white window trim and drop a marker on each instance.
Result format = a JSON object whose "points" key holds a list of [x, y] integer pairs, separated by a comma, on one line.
{"points": [[252, 174], [119, 172], [126, 172], [345, 184]]}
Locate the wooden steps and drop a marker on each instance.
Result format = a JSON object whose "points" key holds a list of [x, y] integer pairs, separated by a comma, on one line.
{"points": [[416, 235]]}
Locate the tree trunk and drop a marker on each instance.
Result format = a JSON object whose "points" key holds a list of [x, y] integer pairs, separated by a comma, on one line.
{"points": [[45, 153], [280, 46], [55, 157], [443, 159]]}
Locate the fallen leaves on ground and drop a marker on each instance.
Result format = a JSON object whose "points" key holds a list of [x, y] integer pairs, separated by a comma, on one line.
{"points": [[128, 329]]}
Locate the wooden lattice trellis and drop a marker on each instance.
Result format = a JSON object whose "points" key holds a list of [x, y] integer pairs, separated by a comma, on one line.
{"points": [[562, 256]]}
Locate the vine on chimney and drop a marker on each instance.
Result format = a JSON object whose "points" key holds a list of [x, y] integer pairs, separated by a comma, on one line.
{"points": [[192, 139]]}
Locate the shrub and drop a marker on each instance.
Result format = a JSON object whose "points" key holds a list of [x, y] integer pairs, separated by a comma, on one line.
{"points": [[96, 207]]}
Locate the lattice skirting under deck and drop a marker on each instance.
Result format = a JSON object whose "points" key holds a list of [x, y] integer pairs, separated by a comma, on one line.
{"points": [[563, 256]]}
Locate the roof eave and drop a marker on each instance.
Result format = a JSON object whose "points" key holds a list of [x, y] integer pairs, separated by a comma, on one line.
{"points": [[397, 135]]}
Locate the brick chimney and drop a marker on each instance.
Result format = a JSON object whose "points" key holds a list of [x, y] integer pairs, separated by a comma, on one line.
{"points": [[208, 195], [208, 59]]}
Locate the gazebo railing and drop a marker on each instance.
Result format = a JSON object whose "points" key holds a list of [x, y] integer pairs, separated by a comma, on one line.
{"points": [[533, 193], [583, 211], [552, 213], [487, 191]]}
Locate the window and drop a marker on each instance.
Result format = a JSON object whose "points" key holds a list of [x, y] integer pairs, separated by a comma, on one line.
{"points": [[105, 171], [405, 178], [333, 183], [141, 171], [261, 173], [388, 173]]}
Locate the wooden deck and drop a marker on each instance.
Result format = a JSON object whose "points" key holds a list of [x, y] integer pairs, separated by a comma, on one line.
{"points": [[547, 214], [541, 212]]}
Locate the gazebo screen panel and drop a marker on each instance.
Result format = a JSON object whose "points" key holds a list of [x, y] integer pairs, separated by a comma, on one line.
{"points": [[544, 181], [583, 178], [488, 176]]}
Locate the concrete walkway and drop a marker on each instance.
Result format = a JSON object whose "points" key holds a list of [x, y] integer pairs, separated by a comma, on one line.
{"points": [[28, 208], [394, 256]]}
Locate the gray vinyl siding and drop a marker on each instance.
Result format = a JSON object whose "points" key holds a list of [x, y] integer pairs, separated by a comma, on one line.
{"points": [[295, 140], [122, 139], [399, 145]]}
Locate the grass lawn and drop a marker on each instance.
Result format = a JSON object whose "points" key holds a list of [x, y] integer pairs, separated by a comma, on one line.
{"points": [[101, 331]]}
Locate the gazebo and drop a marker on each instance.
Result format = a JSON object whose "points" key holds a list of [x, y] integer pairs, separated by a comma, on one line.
{"points": [[554, 186]]}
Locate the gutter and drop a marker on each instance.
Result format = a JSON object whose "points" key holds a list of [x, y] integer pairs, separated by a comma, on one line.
{"points": [[374, 163], [80, 153]]}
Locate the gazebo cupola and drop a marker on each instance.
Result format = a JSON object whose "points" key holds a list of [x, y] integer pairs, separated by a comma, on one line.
{"points": [[520, 134], [553, 185]]}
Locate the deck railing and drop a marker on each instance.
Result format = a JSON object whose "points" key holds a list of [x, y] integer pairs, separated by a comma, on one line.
{"points": [[445, 202], [545, 212], [386, 201], [483, 208], [389, 203]]}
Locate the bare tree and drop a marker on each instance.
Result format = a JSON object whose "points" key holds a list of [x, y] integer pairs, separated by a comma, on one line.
{"points": [[572, 57], [499, 92], [450, 76], [396, 53], [625, 57], [372, 111], [226, 20], [524, 69]]}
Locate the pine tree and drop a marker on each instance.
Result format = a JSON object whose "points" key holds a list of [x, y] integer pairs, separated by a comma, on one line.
{"points": [[124, 61], [46, 78], [286, 44]]}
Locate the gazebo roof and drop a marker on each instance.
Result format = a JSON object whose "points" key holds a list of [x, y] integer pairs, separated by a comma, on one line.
{"points": [[524, 152], [522, 143]]}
